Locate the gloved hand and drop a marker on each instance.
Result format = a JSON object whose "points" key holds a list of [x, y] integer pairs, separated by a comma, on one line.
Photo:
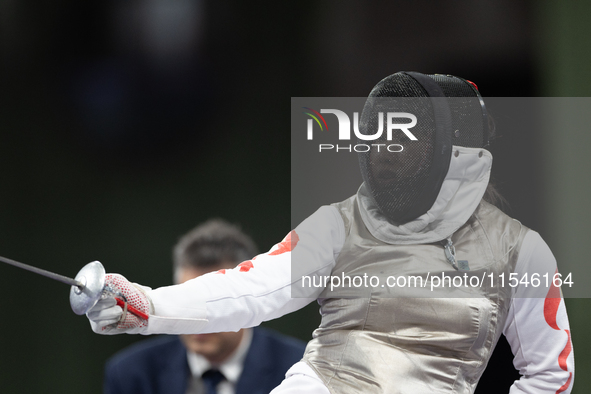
{"points": [[107, 317]]}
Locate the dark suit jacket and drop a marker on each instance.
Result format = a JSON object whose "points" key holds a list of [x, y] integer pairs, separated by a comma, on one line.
{"points": [[159, 365]]}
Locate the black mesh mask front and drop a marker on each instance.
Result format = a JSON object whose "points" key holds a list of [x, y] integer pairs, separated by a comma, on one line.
{"points": [[404, 176]]}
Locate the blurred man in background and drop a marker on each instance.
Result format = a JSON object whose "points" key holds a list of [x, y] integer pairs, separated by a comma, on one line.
{"points": [[248, 361]]}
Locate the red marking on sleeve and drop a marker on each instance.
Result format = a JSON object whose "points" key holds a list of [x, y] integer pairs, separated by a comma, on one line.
{"points": [[245, 266], [287, 245], [565, 352], [551, 304], [566, 385], [221, 271], [473, 84], [550, 310]]}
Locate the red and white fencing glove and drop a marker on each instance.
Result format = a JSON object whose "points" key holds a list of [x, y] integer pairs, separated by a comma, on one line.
{"points": [[110, 316]]}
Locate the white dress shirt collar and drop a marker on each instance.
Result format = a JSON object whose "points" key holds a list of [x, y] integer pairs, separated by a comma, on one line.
{"points": [[231, 368]]}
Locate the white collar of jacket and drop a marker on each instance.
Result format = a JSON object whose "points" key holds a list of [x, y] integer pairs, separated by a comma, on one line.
{"points": [[461, 192]]}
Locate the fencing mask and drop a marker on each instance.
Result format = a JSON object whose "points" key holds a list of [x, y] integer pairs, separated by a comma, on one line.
{"points": [[405, 176]]}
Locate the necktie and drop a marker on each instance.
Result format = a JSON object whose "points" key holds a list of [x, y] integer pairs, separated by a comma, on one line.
{"points": [[211, 378]]}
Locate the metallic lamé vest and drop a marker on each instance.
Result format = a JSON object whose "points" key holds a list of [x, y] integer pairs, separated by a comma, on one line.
{"points": [[400, 340]]}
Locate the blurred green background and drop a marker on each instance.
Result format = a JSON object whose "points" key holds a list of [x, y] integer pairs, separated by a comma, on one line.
{"points": [[125, 124]]}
